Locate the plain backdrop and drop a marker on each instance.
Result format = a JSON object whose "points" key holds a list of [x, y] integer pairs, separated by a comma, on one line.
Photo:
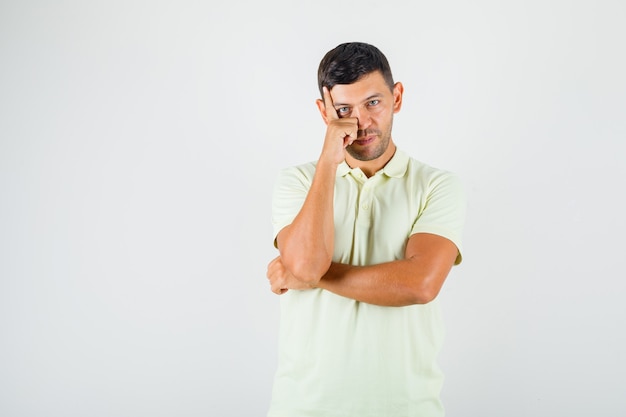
{"points": [[139, 142]]}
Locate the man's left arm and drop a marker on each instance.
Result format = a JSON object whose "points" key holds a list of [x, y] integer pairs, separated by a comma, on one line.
{"points": [[416, 279]]}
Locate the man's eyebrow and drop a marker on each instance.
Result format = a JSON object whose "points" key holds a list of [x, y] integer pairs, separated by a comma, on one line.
{"points": [[373, 96]]}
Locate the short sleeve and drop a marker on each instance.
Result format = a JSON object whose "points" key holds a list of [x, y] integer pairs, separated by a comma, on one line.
{"points": [[444, 210], [290, 191]]}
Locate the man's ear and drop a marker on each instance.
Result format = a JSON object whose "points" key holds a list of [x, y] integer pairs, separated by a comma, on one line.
{"points": [[322, 109], [398, 90]]}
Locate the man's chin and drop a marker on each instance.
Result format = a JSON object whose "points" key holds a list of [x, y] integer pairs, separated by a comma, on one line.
{"points": [[363, 155]]}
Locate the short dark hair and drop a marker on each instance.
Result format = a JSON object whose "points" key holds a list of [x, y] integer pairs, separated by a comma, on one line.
{"points": [[349, 62]]}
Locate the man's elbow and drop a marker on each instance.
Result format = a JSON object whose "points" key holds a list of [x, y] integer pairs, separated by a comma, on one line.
{"points": [[308, 271], [424, 297], [424, 293]]}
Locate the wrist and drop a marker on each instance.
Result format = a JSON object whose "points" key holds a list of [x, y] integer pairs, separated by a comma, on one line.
{"points": [[332, 157]]}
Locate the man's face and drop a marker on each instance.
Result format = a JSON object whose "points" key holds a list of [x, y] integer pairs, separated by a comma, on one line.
{"points": [[373, 104]]}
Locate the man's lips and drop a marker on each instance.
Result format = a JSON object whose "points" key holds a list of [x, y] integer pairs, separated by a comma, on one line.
{"points": [[366, 136], [365, 140]]}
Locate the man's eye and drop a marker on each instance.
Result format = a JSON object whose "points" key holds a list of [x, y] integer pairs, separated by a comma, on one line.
{"points": [[343, 110], [374, 102]]}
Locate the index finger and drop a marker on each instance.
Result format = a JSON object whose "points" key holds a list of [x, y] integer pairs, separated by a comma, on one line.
{"points": [[331, 113]]}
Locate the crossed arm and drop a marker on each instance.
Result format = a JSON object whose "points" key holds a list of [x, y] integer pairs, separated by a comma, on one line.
{"points": [[416, 279]]}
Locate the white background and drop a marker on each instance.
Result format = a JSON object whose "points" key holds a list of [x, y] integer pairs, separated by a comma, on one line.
{"points": [[139, 142]]}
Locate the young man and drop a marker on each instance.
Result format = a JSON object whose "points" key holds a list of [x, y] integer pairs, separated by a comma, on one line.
{"points": [[367, 236]]}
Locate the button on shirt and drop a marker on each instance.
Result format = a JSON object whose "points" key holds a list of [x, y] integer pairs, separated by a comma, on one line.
{"points": [[339, 357]]}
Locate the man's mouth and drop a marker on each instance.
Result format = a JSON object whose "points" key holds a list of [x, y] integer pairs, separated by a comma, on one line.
{"points": [[365, 140], [366, 137]]}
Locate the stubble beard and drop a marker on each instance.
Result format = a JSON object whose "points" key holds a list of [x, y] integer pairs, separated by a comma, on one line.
{"points": [[368, 154]]}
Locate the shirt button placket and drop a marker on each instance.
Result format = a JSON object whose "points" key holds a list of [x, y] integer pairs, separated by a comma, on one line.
{"points": [[366, 200]]}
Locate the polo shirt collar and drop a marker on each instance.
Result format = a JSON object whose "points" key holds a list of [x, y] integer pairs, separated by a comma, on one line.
{"points": [[395, 168]]}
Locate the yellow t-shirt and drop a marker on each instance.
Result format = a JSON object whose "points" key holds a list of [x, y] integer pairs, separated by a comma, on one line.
{"points": [[342, 358]]}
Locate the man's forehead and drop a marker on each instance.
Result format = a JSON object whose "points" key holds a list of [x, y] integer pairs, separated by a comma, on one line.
{"points": [[368, 87]]}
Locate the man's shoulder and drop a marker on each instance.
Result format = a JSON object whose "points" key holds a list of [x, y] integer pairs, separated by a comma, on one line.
{"points": [[303, 171], [427, 171], [304, 167]]}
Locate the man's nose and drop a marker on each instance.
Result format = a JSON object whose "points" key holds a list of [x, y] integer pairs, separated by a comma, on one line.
{"points": [[363, 117]]}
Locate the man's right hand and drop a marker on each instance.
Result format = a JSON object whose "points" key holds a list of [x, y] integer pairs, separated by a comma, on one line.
{"points": [[340, 132]]}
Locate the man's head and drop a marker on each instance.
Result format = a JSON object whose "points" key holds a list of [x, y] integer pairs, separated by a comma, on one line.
{"points": [[349, 62], [360, 89]]}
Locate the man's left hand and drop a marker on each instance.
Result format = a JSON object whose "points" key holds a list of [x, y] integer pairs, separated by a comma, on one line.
{"points": [[281, 279]]}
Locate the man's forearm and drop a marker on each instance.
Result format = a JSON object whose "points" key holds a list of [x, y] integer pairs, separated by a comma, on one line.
{"points": [[416, 279], [397, 283], [387, 284]]}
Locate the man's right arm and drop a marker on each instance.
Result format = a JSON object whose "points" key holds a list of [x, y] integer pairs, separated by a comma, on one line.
{"points": [[306, 246]]}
